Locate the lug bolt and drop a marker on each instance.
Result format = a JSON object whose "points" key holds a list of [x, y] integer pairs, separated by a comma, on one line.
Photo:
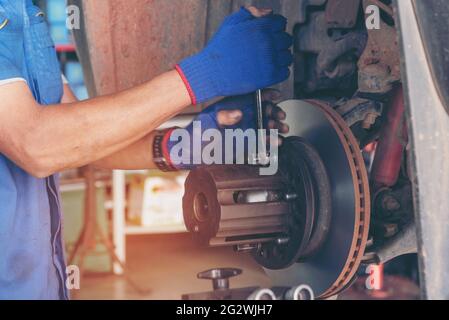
{"points": [[281, 241], [291, 196], [389, 203], [242, 248]]}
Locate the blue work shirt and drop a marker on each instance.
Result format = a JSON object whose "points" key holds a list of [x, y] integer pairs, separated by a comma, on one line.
{"points": [[32, 264]]}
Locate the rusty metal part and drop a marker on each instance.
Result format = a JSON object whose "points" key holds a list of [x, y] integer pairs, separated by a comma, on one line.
{"points": [[326, 58], [362, 208], [363, 116], [384, 7], [356, 110], [403, 243], [334, 267], [394, 205], [234, 205], [392, 228], [303, 6], [342, 14], [379, 65], [392, 142]]}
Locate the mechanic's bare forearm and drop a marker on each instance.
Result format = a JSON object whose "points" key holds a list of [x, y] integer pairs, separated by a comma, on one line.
{"points": [[137, 156], [47, 140]]}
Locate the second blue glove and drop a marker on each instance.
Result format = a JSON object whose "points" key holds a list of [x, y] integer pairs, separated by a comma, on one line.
{"points": [[186, 146]]}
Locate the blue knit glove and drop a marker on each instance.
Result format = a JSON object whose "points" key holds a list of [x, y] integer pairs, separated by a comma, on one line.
{"points": [[246, 54], [182, 158]]}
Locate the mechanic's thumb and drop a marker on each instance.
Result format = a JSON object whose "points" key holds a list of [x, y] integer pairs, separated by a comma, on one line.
{"points": [[229, 117], [240, 16]]}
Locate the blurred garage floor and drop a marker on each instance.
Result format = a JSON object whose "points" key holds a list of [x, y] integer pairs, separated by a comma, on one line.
{"points": [[167, 265]]}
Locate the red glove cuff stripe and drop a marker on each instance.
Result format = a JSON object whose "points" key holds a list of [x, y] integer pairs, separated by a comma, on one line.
{"points": [[187, 84], [165, 151]]}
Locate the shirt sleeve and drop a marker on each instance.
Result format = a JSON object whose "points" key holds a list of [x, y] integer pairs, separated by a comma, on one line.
{"points": [[9, 72], [10, 60]]}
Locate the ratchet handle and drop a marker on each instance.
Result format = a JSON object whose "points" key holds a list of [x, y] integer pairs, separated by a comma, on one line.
{"points": [[259, 110], [262, 156]]}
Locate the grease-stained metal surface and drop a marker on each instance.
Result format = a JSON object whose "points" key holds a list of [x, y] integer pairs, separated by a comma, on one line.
{"points": [[125, 43], [342, 13], [379, 66]]}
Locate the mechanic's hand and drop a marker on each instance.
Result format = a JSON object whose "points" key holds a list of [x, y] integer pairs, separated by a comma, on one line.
{"points": [[237, 112], [250, 51]]}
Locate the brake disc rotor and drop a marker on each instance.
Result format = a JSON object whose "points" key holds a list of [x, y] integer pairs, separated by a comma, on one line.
{"points": [[333, 268], [305, 179]]}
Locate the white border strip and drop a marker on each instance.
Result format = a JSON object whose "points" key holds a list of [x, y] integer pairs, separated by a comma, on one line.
{"points": [[7, 81]]}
